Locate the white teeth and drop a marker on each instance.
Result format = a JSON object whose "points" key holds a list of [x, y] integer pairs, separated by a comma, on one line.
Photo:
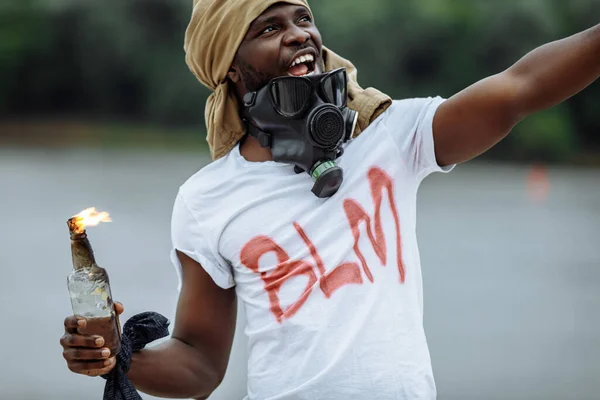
{"points": [[302, 59], [309, 74]]}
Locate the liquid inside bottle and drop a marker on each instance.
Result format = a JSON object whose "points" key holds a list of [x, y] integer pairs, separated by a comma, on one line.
{"points": [[91, 299], [90, 294]]}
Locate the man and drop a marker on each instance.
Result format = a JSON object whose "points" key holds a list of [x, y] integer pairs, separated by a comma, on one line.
{"points": [[331, 286]]}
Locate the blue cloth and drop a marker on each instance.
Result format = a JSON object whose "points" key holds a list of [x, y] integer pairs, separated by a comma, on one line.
{"points": [[138, 331]]}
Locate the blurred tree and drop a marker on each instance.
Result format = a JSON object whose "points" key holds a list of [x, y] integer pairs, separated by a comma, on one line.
{"points": [[21, 41], [124, 58]]}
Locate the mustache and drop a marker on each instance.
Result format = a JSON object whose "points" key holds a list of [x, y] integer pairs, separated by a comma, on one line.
{"points": [[295, 50]]}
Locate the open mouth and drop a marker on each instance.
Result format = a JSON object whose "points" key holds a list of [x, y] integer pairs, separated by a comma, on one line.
{"points": [[302, 66]]}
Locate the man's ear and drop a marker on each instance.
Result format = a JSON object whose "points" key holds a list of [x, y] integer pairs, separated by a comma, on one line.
{"points": [[233, 75]]}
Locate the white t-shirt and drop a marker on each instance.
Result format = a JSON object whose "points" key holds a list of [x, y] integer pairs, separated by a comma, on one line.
{"points": [[331, 287]]}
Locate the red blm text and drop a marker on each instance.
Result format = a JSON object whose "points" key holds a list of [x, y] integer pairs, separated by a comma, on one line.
{"points": [[350, 273]]}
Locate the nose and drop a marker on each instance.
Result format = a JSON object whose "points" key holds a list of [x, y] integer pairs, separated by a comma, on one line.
{"points": [[296, 36]]}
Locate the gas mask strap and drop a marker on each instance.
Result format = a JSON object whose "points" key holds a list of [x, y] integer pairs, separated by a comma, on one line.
{"points": [[264, 138], [351, 118]]}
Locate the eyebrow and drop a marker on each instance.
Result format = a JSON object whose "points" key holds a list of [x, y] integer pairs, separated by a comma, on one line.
{"points": [[268, 20], [274, 18]]}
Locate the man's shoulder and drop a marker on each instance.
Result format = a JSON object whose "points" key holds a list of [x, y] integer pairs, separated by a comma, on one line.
{"points": [[415, 104], [404, 112], [209, 180]]}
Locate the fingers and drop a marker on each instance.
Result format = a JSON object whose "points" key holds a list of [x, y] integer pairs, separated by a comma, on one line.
{"points": [[92, 368], [85, 354], [119, 308], [80, 354], [72, 323], [74, 340]]}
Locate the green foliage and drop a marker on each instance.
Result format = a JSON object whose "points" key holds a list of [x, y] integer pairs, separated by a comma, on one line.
{"points": [[546, 136], [124, 59]]}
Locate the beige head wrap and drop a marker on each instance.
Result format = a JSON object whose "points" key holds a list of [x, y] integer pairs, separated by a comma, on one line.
{"points": [[215, 32]]}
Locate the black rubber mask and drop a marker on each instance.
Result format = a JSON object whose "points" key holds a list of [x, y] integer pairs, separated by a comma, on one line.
{"points": [[304, 120]]}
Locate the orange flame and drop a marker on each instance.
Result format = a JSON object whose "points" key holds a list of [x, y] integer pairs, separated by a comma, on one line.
{"points": [[89, 217]]}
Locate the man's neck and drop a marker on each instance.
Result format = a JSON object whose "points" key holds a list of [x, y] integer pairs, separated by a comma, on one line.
{"points": [[252, 151]]}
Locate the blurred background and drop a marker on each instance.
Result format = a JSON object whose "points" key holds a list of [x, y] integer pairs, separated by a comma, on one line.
{"points": [[97, 108]]}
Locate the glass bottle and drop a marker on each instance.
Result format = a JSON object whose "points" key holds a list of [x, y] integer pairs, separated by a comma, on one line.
{"points": [[89, 289]]}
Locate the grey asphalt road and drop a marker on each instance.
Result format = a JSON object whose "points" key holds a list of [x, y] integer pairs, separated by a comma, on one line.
{"points": [[512, 286]]}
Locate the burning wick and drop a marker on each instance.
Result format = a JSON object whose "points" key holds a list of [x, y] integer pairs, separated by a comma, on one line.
{"points": [[88, 217]]}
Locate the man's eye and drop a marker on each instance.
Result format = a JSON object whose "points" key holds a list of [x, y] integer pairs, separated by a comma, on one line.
{"points": [[268, 29], [306, 18]]}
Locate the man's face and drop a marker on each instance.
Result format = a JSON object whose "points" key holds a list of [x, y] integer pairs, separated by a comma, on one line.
{"points": [[282, 41]]}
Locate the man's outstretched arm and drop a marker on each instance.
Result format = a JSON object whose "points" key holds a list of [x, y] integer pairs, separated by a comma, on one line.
{"points": [[477, 118]]}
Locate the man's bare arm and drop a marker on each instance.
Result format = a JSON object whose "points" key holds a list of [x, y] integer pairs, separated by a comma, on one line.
{"points": [[474, 120], [193, 362]]}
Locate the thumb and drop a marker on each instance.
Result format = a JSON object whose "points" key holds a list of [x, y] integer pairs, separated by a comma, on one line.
{"points": [[119, 308]]}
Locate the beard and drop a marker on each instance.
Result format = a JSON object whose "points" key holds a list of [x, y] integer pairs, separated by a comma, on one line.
{"points": [[253, 79]]}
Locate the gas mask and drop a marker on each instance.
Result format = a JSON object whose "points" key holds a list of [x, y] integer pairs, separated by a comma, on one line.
{"points": [[304, 121]]}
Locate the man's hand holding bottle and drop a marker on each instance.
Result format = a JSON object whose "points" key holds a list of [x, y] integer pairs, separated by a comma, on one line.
{"points": [[84, 347]]}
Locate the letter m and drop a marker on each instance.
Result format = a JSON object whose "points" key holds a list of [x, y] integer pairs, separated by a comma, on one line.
{"points": [[379, 182]]}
